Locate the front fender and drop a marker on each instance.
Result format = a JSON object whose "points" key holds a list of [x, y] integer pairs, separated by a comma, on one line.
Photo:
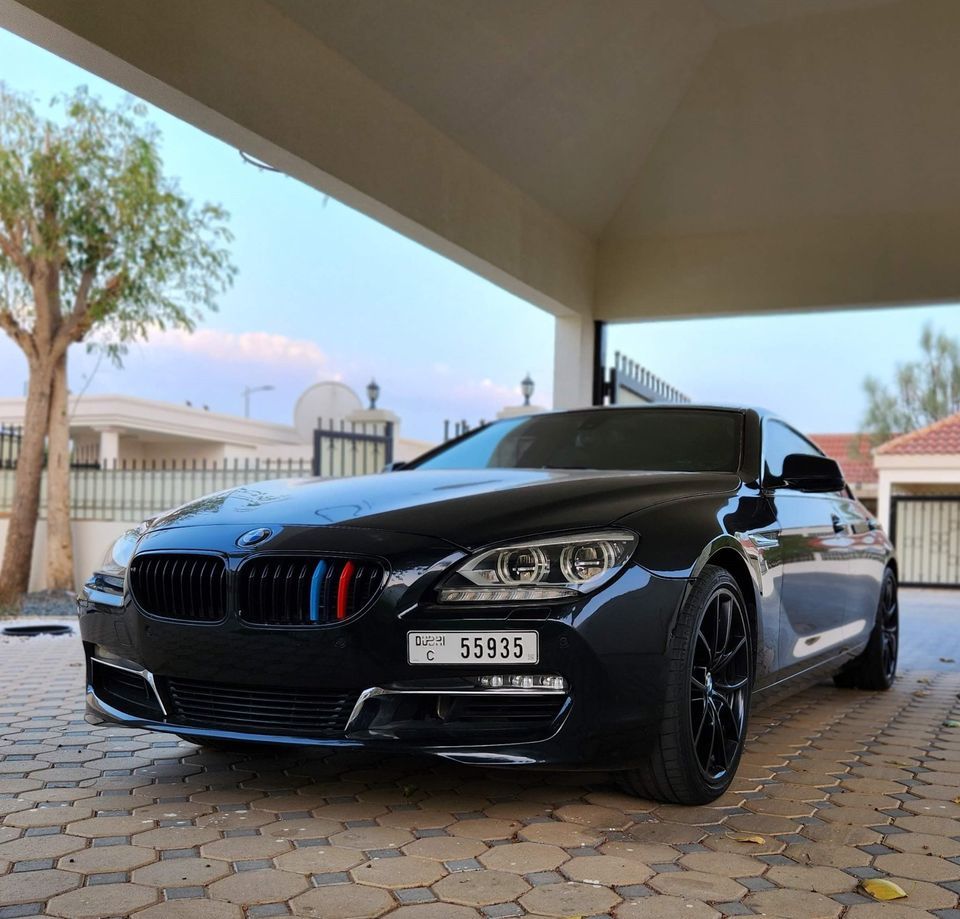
{"points": [[679, 539]]}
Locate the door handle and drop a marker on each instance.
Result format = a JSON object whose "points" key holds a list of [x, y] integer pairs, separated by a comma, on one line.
{"points": [[838, 524]]}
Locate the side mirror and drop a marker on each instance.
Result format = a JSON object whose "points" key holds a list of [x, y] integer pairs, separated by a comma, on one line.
{"points": [[805, 472], [394, 466]]}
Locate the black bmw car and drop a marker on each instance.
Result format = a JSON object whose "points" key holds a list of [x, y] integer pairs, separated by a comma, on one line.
{"points": [[605, 588]]}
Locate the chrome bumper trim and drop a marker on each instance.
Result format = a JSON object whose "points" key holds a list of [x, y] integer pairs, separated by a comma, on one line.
{"points": [[375, 691], [139, 671]]}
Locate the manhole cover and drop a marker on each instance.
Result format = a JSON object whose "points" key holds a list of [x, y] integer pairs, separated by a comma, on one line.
{"points": [[29, 631]]}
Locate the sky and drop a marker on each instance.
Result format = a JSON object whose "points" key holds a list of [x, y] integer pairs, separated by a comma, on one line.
{"points": [[324, 292]]}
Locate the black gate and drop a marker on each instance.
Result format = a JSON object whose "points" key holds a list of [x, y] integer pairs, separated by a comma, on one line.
{"points": [[352, 448], [926, 531]]}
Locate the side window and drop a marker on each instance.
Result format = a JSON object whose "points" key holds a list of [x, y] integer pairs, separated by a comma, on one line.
{"points": [[778, 442]]}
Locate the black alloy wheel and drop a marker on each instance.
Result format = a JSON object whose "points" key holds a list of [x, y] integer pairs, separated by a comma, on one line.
{"points": [[876, 667], [889, 622], [706, 701], [718, 684]]}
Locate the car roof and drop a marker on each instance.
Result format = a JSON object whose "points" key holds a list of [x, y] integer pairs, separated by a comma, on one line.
{"points": [[673, 406]]}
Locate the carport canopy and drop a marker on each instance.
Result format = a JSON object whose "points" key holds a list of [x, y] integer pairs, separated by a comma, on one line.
{"points": [[607, 160]]}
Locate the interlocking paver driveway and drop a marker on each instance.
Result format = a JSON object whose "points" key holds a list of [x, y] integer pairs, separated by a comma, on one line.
{"points": [[836, 787]]}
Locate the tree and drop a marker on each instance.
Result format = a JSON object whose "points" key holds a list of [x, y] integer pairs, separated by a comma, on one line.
{"points": [[923, 390], [94, 238]]}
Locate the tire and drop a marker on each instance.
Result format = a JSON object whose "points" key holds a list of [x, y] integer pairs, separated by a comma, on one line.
{"points": [[876, 667], [710, 676]]}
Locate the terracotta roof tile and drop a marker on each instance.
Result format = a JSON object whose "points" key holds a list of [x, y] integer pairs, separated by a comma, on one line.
{"points": [[853, 452], [940, 437]]}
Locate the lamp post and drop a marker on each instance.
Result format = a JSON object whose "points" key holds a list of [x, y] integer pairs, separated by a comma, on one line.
{"points": [[526, 387], [249, 391], [373, 393]]}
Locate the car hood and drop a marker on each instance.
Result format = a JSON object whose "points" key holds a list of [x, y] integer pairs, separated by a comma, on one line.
{"points": [[467, 508]]}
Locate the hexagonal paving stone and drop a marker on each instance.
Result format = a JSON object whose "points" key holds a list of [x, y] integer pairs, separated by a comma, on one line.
{"points": [[480, 888], [607, 870], [34, 886], [937, 826], [666, 908], [815, 878], [842, 834], [600, 818], [181, 872], [191, 909], [671, 834], [728, 842], [372, 837], [355, 810], [27, 848], [524, 857], [919, 867], [923, 844], [889, 910], [652, 854], [342, 901], [301, 828], [569, 899], [106, 859], [697, 885], [47, 816], [564, 835], [728, 864], [435, 911], [320, 859], [102, 900], [416, 819], [691, 816], [175, 837], [263, 885], [242, 848], [485, 828], [764, 824], [449, 848], [793, 904], [399, 872], [827, 854]]}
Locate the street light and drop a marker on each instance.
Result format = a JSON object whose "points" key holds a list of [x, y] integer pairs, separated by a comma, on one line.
{"points": [[526, 387], [249, 391], [373, 393]]}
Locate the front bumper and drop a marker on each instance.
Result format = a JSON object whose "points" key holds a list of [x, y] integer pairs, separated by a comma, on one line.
{"points": [[350, 685]]}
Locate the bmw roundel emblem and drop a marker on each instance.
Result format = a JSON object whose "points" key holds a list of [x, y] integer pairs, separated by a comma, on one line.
{"points": [[252, 537]]}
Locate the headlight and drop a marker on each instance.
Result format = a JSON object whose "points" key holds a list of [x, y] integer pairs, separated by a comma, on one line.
{"points": [[117, 559], [540, 569]]}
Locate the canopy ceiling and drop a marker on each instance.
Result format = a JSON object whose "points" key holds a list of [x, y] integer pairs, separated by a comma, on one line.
{"points": [[618, 159]]}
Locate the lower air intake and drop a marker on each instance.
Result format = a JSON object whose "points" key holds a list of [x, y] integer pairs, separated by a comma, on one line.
{"points": [[259, 710]]}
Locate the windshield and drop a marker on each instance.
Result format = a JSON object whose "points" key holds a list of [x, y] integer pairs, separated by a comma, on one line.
{"points": [[648, 439]]}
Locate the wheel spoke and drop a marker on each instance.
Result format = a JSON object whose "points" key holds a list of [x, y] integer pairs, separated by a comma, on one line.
{"points": [[728, 657], [703, 721], [731, 686]]}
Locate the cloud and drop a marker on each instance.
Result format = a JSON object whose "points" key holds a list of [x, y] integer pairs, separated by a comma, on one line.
{"points": [[245, 348]]}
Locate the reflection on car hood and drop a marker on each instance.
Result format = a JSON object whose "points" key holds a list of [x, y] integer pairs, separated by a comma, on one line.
{"points": [[465, 507]]}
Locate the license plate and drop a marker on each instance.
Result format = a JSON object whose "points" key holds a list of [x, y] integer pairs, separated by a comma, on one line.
{"points": [[473, 647]]}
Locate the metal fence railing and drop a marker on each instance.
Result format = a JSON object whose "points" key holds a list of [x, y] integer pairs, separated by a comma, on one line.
{"points": [[351, 447], [10, 437], [137, 490]]}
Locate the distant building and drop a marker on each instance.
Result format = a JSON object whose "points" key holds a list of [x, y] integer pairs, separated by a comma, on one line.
{"points": [[108, 429]]}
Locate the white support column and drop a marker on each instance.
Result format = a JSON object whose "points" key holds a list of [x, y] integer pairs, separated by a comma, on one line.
{"points": [[884, 493], [109, 447], [573, 362]]}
